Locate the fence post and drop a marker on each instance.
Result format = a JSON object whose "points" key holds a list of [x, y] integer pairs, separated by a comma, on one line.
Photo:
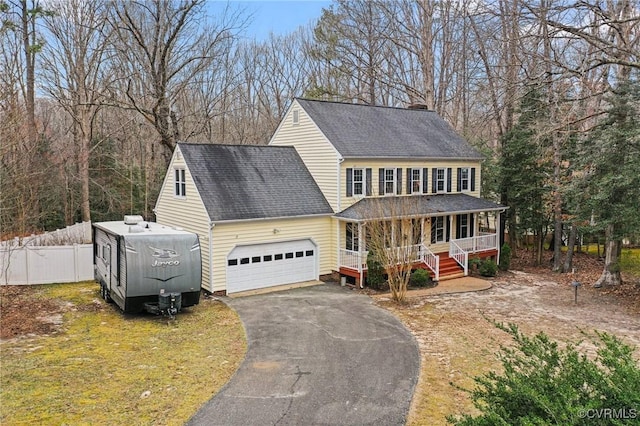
{"points": [[76, 273]]}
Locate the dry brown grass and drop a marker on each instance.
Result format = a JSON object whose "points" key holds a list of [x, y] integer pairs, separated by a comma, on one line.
{"points": [[104, 367]]}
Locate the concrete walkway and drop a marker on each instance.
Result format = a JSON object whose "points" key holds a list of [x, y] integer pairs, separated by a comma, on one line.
{"points": [[319, 355], [457, 285]]}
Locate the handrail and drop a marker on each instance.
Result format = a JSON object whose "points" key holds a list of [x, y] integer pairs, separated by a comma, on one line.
{"points": [[460, 255], [431, 260]]}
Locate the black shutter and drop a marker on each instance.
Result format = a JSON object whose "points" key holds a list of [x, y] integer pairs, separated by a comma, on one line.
{"points": [[409, 182], [471, 225], [473, 178], [381, 181], [459, 179], [349, 182], [425, 180], [369, 183], [458, 225], [447, 226], [399, 181], [449, 179], [434, 180]]}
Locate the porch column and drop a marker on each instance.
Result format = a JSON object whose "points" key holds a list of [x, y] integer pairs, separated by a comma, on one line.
{"points": [[498, 214], [339, 246], [360, 246]]}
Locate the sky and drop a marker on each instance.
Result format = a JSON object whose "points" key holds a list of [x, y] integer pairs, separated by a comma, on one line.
{"points": [[279, 17]]}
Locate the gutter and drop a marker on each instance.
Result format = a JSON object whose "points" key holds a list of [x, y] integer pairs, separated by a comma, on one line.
{"points": [[211, 226]]}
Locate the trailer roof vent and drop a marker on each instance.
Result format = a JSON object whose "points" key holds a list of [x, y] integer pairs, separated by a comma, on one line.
{"points": [[132, 219], [135, 229]]}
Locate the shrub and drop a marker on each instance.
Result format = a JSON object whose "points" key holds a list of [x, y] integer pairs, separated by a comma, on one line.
{"points": [[545, 383], [375, 273], [420, 278], [488, 268], [505, 257]]}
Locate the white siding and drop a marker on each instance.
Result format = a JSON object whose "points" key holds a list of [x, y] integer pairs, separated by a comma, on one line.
{"points": [[316, 152], [187, 212], [227, 236]]}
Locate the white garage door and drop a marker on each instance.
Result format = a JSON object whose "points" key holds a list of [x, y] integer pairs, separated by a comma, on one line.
{"points": [[266, 265]]}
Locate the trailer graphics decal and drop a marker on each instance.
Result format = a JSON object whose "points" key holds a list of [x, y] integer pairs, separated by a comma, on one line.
{"points": [[164, 257]]}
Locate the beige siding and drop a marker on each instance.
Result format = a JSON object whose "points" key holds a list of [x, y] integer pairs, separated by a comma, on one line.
{"points": [[226, 236], [187, 212], [316, 152], [376, 164]]}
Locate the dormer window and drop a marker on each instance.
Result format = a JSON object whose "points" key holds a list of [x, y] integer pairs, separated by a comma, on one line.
{"points": [[296, 117]]}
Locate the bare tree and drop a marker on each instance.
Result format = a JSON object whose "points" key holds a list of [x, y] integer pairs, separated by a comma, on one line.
{"points": [[164, 46], [73, 69]]}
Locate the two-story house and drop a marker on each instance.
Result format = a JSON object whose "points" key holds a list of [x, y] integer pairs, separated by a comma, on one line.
{"points": [[300, 207]]}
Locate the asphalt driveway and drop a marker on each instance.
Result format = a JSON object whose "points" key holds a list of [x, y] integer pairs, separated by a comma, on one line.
{"points": [[319, 355]]}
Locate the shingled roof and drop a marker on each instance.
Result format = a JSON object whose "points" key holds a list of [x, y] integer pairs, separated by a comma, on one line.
{"points": [[416, 206], [239, 182], [363, 131]]}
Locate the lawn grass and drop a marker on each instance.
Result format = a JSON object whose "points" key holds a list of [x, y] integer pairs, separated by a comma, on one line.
{"points": [[109, 368], [629, 259]]}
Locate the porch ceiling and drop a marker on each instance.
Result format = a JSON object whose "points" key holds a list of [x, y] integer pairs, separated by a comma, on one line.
{"points": [[416, 206]]}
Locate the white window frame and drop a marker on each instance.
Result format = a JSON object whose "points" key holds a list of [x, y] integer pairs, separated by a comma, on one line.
{"points": [[179, 182], [442, 179], [393, 181], [413, 181], [439, 227], [465, 183], [362, 182], [466, 226], [355, 236]]}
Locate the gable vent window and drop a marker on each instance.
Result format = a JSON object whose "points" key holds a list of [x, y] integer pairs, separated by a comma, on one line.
{"points": [[180, 183], [296, 117]]}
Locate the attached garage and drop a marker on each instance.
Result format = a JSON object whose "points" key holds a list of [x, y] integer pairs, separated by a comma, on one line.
{"points": [[266, 265]]}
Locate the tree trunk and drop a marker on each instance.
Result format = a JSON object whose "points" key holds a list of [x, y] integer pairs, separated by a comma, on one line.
{"points": [[568, 261], [611, 273]]}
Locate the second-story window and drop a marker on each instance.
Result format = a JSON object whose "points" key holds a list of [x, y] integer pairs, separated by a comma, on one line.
{"points": [[466, 179], [389, 181], [358, 182], [441, 180], [416, 181], [180, 183]]}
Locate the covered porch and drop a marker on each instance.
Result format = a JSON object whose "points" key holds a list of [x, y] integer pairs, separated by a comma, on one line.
{"points": [[439, 233]]}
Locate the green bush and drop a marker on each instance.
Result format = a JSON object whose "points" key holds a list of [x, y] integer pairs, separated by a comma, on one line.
{"points": [[545, 383], [488, 268], [420, 278], [505, 257], [375, 273]]}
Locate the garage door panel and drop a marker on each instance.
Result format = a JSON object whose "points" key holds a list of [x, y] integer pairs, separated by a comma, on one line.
{"points": [[266, 265]]}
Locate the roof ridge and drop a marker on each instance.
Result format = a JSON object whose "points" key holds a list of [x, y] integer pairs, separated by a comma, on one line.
{"points": [[363, 105]]}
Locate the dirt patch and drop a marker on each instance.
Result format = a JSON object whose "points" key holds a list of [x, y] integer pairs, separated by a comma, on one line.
{"points": [[26, 312], [458, 342]]}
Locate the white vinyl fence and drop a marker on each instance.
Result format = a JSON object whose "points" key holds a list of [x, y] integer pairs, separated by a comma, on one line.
{"points": [[46, 264]]}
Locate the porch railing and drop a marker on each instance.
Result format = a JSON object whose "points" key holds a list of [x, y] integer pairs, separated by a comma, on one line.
{"points": [[431, 260], [358, 260], [482, 242], [460, 255]]}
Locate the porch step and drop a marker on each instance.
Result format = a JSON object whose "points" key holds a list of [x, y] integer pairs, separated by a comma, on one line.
{"points": [[449, 268]]}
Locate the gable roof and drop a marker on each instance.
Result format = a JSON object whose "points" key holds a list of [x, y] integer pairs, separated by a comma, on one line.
{"points": [[364, 131], [239, 182], [417, 205]]}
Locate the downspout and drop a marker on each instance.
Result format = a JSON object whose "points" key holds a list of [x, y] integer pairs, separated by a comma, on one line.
{"points": [[211, 226]]}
